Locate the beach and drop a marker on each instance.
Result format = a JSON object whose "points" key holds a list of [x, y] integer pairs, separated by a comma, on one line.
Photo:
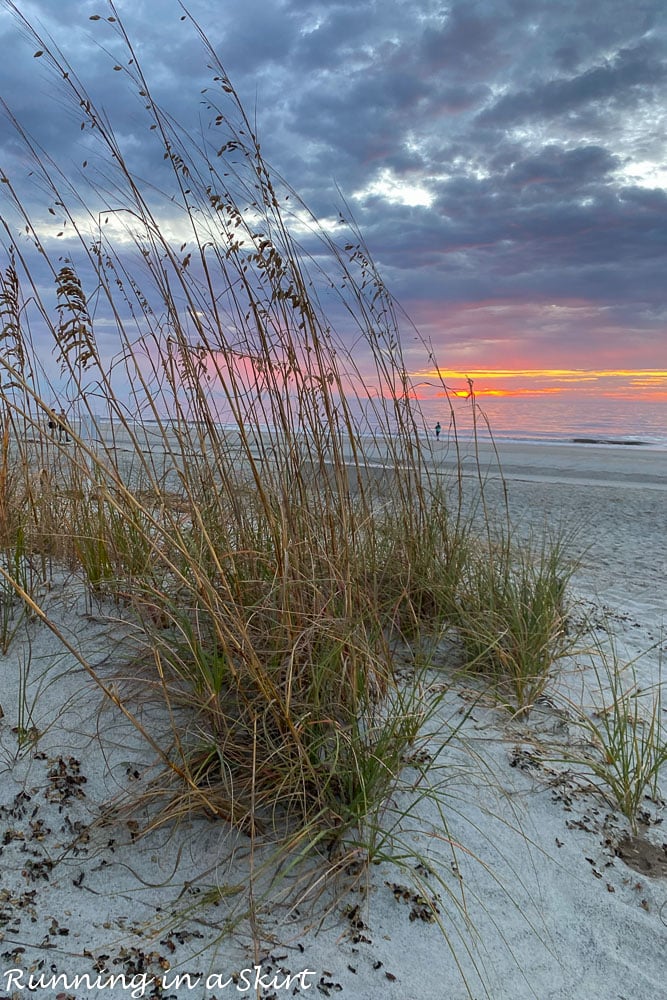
{"points": [[522, 884]]}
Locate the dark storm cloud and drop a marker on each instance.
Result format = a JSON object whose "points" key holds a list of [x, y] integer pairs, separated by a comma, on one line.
{"points": [[630, 75], [505, 150]]}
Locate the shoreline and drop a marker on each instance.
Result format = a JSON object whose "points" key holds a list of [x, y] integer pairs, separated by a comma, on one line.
{"points": [[562, 462], [579, 437]]}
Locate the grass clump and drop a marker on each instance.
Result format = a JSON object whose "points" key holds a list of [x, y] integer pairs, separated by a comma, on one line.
{"points": [[219, 477], [627, 742], [513, 617], [420, 576]]}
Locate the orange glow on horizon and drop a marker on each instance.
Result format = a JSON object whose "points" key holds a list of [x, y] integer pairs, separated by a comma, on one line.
{"points": [[566, 374], [551, 390], [620, 383]]}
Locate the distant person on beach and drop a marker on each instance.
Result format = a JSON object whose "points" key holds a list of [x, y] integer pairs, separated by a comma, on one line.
{"points": [[63, 434], [438, 428]]}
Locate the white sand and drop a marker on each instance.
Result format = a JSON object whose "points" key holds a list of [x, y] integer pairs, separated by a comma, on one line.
{"points": [[557, 915]]}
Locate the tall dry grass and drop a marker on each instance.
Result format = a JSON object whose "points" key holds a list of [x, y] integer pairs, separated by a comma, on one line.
{"points": [[256, 493], [216, 482]]}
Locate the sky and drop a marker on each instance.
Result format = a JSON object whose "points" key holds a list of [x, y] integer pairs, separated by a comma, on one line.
{"points": [[505, 160]]}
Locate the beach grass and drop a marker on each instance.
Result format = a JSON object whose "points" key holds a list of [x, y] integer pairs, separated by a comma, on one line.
{"points": [[625, 738], [513, 616]]}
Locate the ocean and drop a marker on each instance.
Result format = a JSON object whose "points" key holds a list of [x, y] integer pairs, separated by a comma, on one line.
{"points": [[569, 417], [566, 417]]}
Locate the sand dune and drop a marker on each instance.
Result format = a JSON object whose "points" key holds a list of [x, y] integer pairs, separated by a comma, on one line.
{"points": [[561, 906]]}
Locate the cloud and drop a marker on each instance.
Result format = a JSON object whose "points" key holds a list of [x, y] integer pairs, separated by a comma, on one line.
{"points": [[630, 74], [491, 150]]}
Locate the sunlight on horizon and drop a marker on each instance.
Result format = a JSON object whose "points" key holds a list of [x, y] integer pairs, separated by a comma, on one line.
{"points": [[622, 383]]}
